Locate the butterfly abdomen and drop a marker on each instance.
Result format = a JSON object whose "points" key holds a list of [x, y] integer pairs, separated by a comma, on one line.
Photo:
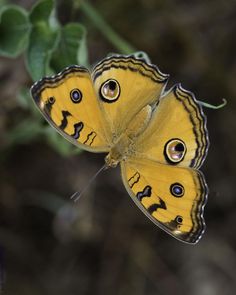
{"points": [[139, 122], [123, 147]]}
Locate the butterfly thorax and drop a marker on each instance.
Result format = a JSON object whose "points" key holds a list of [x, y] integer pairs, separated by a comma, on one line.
{"points": [[119, 152], [124, 146]]}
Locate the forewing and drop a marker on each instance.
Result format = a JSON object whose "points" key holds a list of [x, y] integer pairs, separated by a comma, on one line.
{"points": [[138, 84], [69, 103]]}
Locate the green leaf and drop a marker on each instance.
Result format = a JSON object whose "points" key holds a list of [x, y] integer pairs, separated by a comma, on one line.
{"points": [[82, 55], [42, 11], [43, 40], [71, 48], [14, 30], [42, 43]]}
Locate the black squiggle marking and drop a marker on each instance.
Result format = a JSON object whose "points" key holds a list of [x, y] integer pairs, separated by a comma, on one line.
{"points": [[147, 191], [135, 178], [152, 208], [91, 136], [77, 129], [64, 121]]}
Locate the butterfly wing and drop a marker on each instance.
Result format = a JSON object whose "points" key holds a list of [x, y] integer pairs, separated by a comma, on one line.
{"points": [[136, 84], [93, 112], [69, 102], [177, 133], [159, 175], [172, 197]]}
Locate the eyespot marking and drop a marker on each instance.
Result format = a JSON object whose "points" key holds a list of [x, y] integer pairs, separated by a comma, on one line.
{"points": [[179, 219], [47, 106], [177, 190], [175, 224], [110, 91], [174, 151], [51, 100], [76, 95]]}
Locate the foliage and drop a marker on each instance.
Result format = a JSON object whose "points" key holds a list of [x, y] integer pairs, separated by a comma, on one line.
{"points": [[42, 38], [48, 47]]}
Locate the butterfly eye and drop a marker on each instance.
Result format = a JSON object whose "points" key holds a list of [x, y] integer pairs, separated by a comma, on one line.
{"points": [[76, 95], [175, 150], [110, 91], [177, 190]]}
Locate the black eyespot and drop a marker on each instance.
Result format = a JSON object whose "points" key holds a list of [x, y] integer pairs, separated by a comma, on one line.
{"points": [[76, 95], [179, 147], [177, 190], [48, 104], [51, 100], [110, 91], [112, 85], [179, 219], [174, 151]]}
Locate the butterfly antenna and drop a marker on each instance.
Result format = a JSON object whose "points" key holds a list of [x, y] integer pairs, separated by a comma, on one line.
{"points": [[76, 196]]}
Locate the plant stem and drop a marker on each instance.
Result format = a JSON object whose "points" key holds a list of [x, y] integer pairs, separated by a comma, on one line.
{"points": [[211, 106], [122, 45]]}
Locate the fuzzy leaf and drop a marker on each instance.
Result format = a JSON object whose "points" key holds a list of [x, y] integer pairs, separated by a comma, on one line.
{"points": [[14, 30], [42, 43], [71, 48], [43, 40], [41, 11]]}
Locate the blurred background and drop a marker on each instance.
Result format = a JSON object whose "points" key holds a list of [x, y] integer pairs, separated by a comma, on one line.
{"points": [[104, 244]]}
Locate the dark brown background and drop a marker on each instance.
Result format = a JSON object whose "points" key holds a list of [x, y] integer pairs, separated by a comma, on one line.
{"points": [[105, 245]]}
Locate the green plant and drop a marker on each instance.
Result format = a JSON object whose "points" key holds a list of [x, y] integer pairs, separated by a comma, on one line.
{"points": [[48, 47]]}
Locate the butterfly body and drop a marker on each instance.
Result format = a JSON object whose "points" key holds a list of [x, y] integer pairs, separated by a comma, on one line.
{"points": [[158, 137], [124, 146]]}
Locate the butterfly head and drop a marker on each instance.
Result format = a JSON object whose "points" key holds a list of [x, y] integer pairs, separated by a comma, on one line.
{"points": [[113, 158], [110, 162]]}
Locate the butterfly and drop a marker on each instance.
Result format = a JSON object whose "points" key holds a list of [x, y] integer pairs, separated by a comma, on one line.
{"points": [[158, 137]]}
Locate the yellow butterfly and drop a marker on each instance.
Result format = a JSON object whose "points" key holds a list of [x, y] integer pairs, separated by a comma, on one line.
{"points": [[158, 137]]}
